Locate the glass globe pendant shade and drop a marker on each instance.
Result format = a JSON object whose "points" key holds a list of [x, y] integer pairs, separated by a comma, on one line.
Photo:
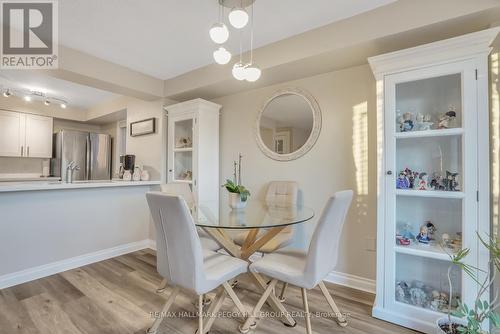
{"points": [[219, 33], [222, 56], [238, 18], [252, 73], [239, 71]]}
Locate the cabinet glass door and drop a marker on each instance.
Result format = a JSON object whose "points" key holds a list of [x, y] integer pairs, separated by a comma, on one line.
{"points": [[183, 151], [427, 201]]}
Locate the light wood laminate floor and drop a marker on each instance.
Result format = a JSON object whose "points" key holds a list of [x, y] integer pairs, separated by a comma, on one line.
{"points": [[118, 296]]}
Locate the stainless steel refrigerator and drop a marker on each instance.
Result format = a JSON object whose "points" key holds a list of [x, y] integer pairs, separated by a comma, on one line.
{"points": [[91, 152]]}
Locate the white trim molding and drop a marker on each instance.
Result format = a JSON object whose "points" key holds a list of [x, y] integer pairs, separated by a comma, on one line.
{"points": [[352, 281], [457, 48], [49, 269]]}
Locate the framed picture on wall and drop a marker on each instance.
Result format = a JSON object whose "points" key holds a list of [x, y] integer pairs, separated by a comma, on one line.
{"points": [[144, 127]]}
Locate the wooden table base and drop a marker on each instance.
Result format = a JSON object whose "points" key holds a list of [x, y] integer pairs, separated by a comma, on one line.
{"points": [[250, 246]]}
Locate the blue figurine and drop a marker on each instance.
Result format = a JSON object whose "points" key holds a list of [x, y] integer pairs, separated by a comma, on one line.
{"points": [[424, 237], [402, 181]]}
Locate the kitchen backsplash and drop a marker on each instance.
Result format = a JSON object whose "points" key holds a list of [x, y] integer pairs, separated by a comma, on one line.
{"points": [[20, 165]]}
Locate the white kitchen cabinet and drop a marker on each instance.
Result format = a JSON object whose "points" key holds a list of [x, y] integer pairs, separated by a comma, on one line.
{"points": [[25, 135], [193, 148], [416, 88]]}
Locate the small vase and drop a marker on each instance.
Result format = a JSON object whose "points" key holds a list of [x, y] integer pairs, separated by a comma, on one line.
{"points": [[235, 201], [127, 175]]}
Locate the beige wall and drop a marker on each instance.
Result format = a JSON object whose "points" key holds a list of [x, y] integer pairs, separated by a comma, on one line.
{"points": [[344, 156]]}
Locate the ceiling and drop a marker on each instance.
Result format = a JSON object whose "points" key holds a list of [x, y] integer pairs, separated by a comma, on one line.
{"points": [[78, 96], [166, 38]]}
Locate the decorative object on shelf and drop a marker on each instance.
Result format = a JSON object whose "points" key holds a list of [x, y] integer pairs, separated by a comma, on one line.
{"points": [[183, 142], [30, 95], [145, 175], [402, 291], [127, 175], [431, 229], [423, 122], [446, 121], [424, 236], [144, 127], [238, 18], [186, 175], [472, 317], [121, 169], [402, 181], [439, 301], [406, 122], [137, 174], [418, 297], [402, 241], [423, 183], [406, 231], [238, 194], [450, 182], [437, 182]]}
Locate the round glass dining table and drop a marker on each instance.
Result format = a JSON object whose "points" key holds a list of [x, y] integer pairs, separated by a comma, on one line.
{"points": [[261, 223]]}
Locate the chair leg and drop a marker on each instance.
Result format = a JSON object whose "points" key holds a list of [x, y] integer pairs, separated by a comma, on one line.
{"points": [[306, 310], [341, 319], [168, 304], [200, 314], [282, 294], [246, 326], [162, 287], [214, 308]]}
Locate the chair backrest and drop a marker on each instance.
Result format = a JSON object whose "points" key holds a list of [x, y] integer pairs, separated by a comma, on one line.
{"points": [[179, 251], [179, 189], [282, 193], [324, 248]]}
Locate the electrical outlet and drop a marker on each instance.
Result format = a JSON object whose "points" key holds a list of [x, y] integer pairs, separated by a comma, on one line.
{"points": [[370, 244]]}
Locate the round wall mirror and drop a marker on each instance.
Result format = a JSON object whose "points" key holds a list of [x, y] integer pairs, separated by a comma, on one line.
{"points": [[288, 124]]}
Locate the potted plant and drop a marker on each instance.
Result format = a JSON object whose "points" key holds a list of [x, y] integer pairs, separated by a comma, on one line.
{"points": [[469, 319], [238, 194]]}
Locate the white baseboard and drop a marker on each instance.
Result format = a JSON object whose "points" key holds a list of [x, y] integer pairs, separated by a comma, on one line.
{"points": [[348, 280], [352, 281], [45, 270]]}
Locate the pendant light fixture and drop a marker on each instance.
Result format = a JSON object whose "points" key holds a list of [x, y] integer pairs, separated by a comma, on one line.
{"points": [[238, 18], [219, 32]]}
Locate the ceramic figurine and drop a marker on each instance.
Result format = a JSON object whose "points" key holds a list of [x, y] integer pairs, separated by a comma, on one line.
{"points": [[406, 123], [137, 174], [423, 123], [402, 181], [418, 297], [183, 142], [423, 181], [127, 176], [402, 291], [145, 175], [445, 240], [450, 182], [431, 229], [406, 232], [402, 241], [437, 182], [445, 121], [423, 237]]}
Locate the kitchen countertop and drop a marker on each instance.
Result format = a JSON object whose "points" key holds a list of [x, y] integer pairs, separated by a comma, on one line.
{"points": [[58, 185]]}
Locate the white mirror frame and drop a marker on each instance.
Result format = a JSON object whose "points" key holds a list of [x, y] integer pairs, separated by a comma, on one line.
{"points": [[313, 137]]}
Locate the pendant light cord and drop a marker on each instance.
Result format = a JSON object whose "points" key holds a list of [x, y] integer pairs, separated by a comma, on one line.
{"points": [[251, 36]]}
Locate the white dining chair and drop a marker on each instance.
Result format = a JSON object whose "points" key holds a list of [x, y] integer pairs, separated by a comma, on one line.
{"points": [[183, 262], [308, 270], [184, 190], [278, 194]]}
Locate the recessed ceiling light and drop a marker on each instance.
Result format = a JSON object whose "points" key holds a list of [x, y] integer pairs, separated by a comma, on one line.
{"points": [[27, 98], [63, 105]]}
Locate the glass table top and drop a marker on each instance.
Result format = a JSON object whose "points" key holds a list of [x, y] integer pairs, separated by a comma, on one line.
{"points": [[255, 215]]}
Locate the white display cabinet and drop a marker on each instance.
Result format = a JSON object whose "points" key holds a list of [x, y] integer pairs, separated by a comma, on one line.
{"points": [[193, 148], [433, 166]]}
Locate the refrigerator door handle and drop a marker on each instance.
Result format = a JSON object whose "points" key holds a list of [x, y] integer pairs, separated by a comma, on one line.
{"points": [[87, 159]]}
